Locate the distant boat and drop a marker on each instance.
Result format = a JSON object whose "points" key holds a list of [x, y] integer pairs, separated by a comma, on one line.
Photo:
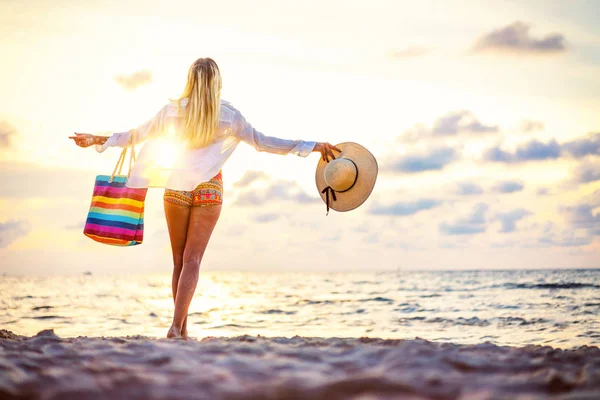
{"points": [[87, 273]]}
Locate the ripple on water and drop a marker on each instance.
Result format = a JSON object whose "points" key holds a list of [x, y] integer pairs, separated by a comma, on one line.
{"points": [[275, 311]]}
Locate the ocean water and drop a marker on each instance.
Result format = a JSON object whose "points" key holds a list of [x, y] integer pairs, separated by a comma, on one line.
{"points": [[560, 308]]}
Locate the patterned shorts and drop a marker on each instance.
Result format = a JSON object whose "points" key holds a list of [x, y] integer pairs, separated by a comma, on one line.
{"points": [[206, 194]]}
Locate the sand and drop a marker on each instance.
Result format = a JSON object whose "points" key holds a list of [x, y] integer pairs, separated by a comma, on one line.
{"points": [[46, 366]]}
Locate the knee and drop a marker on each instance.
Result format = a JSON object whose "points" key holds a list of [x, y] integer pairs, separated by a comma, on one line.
{"points": [[192, 260]]}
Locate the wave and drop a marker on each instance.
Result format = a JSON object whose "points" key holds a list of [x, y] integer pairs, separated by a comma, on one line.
{"points": [[23, 297], [521, 321], [277, 312], [508, 285], [383, 299], [42, 308], [236, 326], [475, 321], [565, 285], [329, 302]]}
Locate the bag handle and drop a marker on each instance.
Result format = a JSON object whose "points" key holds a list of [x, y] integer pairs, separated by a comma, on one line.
{"points": [[121, 161]]}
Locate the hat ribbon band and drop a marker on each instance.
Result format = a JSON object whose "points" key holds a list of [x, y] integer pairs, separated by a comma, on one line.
{"points": [[329, 189]]}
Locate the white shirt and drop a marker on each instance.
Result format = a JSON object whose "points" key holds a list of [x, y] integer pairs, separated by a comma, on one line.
{"points": [[164, 161]]}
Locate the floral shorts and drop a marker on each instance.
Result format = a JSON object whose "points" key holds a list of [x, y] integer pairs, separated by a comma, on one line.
{"points": [[205, 194]]}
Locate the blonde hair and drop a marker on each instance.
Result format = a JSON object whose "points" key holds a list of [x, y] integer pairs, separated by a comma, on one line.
{"points": [[203, 91]]}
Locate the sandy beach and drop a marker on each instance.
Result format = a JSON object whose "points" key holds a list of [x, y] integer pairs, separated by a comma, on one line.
{"points": [[46, 366]]}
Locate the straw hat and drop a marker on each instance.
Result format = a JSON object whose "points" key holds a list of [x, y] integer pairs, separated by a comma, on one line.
{"points": [[346, 182]]}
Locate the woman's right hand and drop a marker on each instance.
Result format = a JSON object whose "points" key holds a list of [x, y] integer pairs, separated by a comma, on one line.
{"points": [[83, 139]]}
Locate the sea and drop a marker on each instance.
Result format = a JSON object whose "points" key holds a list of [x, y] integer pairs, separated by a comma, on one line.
{"points": [[559, 308]]}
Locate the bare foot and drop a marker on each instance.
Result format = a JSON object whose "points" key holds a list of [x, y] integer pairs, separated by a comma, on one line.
{"points": [[174, 333]]}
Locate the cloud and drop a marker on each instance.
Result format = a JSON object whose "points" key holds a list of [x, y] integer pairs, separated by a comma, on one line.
{"points": [[280, 190], [462, 122], [516, 39], [434, 160], [21, 180], [582, 147], [582, 216], [7, 131], [406, 208], [509, 219], [544, 191], [468, 188], [265, 218], [535, 150], [565, 241], [509, 186], [458, 122], [473, 224], [587, 172], [411, 52], [528, 126], [11, 230], [135, 80], [565, 238], [250, 177]]}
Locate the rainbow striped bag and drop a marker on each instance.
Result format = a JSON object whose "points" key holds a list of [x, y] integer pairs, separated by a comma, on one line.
{"points": [[116, 215]]}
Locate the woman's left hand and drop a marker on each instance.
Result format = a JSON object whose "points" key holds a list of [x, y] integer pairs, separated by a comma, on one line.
{"points": [[326, 150]]}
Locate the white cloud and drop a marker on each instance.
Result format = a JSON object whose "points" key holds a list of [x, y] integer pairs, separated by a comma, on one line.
{"points": [[12, 230], [135, 80], [515, 38]]}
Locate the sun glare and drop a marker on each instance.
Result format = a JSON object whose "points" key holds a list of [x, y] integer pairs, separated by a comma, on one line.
{"points": [[168, 148]]}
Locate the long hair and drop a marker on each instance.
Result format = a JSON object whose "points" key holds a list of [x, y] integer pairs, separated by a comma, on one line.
{"points": [[203, 91]]}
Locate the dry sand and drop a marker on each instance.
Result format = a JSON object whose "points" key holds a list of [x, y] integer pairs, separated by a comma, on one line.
{"points": [[49, 367]]}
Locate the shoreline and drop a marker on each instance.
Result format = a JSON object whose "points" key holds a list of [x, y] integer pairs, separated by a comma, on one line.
{"points": [[255, 367]]}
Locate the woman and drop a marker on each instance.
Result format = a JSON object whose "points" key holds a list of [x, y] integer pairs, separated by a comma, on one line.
{"points": [[209, 130]]}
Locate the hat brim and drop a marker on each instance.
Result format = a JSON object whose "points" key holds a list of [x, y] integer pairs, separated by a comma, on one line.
{"points": [[367, 167]]}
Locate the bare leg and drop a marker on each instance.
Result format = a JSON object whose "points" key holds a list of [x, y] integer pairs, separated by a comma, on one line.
{"points": [[200, 228], [177, 222]]}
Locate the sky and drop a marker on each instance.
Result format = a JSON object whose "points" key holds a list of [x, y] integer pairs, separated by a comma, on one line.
{"points": [[483, 117]]}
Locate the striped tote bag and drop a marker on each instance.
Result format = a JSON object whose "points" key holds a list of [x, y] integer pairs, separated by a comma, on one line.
{"points": [[116, 215]]}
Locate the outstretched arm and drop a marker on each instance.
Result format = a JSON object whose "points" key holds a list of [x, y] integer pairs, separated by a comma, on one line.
{"points": [[148, 129], [245, 132]]}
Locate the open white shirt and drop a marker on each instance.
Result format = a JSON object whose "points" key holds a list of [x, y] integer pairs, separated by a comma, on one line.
{"points": [[183, 168]]}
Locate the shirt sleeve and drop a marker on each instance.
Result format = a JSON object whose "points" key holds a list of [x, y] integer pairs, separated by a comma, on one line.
{"points": [[245, 132], [150, 128]]}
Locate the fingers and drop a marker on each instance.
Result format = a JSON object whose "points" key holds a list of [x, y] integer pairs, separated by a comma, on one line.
{"points": [[326, 150], [322, 150], [329, 148], [324, 153], [82, 139]]}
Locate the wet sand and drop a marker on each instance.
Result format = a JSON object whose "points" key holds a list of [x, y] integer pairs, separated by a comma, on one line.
{"points": [[46, 366]]}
